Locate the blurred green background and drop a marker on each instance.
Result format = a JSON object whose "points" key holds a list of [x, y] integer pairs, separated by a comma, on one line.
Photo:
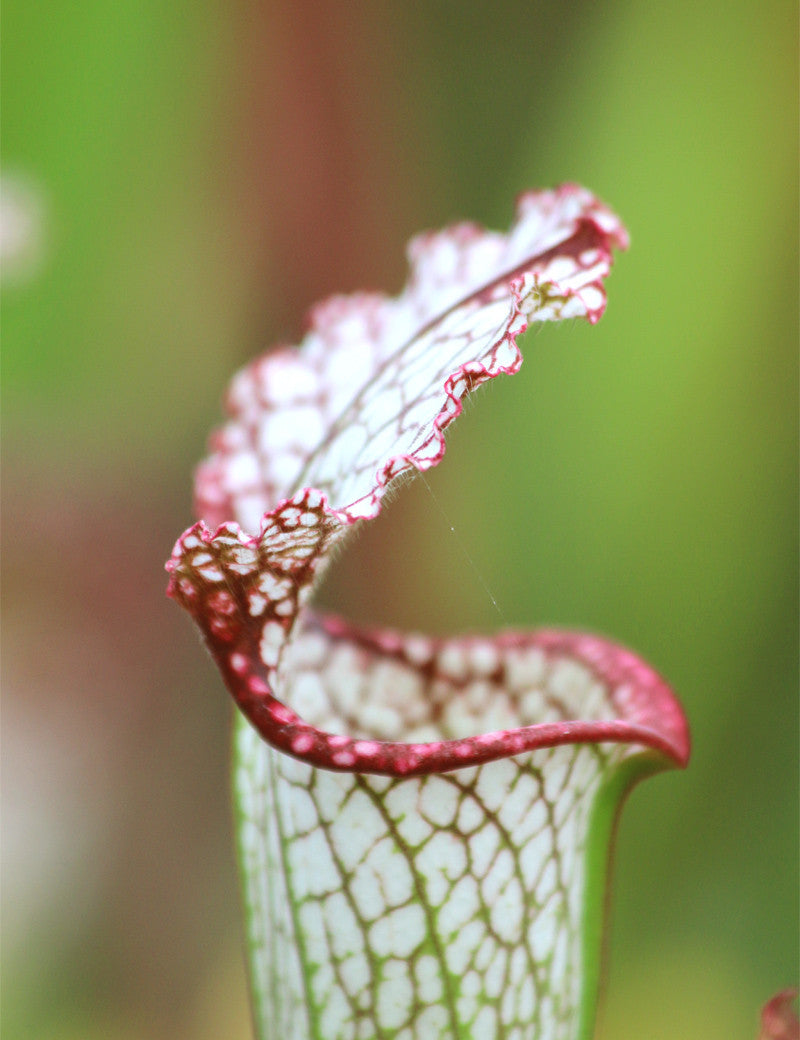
{"points": [[180, 182]]}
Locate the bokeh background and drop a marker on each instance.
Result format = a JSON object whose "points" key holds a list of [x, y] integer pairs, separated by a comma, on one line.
{"points": [[180, 182]]}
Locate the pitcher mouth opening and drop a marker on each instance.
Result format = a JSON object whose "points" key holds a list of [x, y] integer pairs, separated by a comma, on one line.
{"points": [[385, 702]]}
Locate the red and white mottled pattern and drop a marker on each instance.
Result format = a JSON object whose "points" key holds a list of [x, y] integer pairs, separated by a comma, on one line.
{"points": [[366, 397], [377, 379], [439, 889], [414, 813]]}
